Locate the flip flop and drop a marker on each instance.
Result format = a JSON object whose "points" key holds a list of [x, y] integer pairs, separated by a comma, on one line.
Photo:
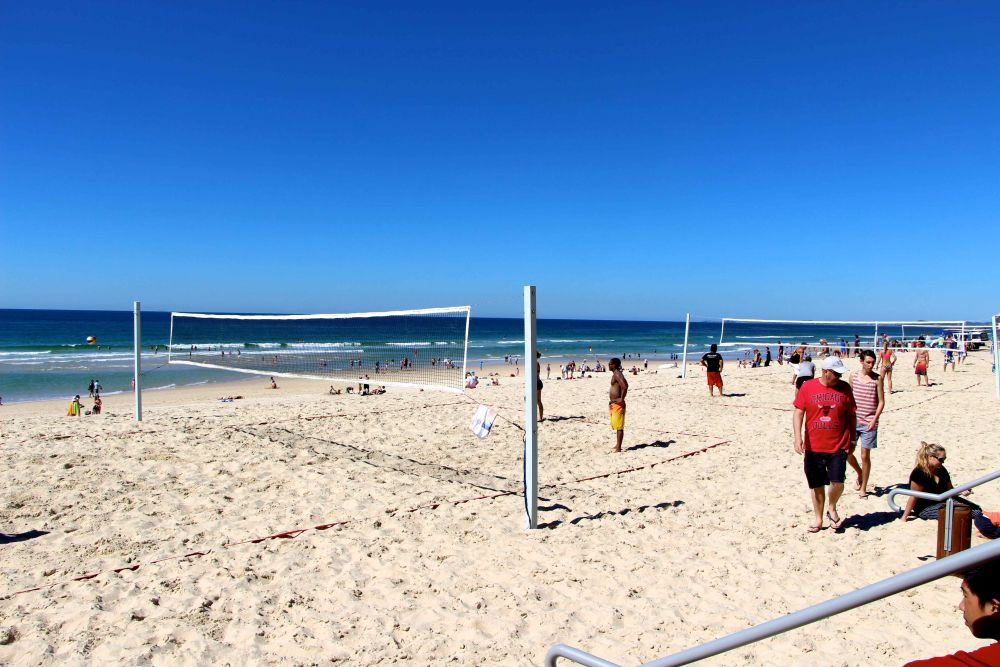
{"points": [[835, 525], [814, 529], [863, 495]]}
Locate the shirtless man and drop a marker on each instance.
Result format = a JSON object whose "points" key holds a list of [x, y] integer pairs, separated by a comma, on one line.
{"points": [[920, 362], [616, 401]]}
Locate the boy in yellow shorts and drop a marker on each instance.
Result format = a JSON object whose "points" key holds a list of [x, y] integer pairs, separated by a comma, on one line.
{"points": [[616, 402]]}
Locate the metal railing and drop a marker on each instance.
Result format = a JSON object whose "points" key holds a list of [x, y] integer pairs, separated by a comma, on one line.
{"points": [[964, 560], [948, 497]]}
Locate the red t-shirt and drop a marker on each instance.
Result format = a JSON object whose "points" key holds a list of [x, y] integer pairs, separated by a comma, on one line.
{"points": [[831, 415], [987, 656]]}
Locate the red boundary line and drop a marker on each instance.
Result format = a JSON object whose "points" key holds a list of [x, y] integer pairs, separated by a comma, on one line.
{"points": [[292, 534]]}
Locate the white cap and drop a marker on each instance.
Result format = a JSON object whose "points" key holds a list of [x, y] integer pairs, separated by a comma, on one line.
{"points": [[834, 364]]}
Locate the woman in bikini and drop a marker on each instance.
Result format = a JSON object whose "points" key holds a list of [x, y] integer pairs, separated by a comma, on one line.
{"points": [[887, 360]]}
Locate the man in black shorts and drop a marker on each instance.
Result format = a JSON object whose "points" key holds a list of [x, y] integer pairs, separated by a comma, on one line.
{"points": [[826, 407]]}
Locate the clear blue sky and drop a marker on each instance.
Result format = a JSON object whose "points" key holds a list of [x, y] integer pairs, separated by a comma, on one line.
{"points": [[633, 160]]}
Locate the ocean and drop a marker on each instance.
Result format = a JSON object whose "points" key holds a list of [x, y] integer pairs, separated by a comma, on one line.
{"points": [[45, 354]]}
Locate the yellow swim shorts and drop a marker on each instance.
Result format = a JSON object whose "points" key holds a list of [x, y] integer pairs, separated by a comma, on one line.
{"points": [[617, 411]]}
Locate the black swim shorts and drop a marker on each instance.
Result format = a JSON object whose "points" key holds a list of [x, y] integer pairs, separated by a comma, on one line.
{"points": [[825, 468], [539, 385]]}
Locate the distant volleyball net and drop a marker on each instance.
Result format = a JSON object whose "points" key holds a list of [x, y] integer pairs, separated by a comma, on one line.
{"points": [[837, 334], [424, 348]]}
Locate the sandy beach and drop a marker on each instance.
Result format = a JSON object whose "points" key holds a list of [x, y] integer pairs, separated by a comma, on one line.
{"points": [[413, 548]]}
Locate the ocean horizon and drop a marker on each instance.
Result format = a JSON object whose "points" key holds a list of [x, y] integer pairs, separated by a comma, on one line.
{"points": [[45, 354]]}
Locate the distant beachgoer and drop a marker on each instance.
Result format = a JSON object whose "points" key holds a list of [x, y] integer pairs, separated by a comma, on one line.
{"points": [[781, 353], [616, 402], [756, 359], [980, 607], [887, 360], [825, 407], [548, 371], [713, 363], [921, 360], [869, 396], [97, 404], [950, 345], [90, 389], [930, 476], [807, 370], [74, 407], [857, 345], [274, 385], [767, 357]]}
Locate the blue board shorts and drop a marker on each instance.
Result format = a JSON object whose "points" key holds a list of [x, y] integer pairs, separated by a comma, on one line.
{"points": [[867, 439]]}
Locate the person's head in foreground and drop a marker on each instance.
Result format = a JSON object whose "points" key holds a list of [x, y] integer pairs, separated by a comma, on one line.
{"points": [[980, 605], [714, 348], [833, 368], [615, 363], [867, 360], [930, 457]]}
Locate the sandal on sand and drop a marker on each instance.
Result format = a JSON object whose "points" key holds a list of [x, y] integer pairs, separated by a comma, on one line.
{"points": [[863, 495], [815, 529], [835, 524]]}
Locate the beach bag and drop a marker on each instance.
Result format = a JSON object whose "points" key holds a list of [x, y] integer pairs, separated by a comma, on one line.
{"points": [[482, 421]]}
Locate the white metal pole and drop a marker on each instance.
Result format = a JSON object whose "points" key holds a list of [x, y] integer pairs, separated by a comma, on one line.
{"points": [[996, 355], [722, 332], [684, 364], [465, 353], [170, 341], [137, 344], [530, 408], [875, 343]]}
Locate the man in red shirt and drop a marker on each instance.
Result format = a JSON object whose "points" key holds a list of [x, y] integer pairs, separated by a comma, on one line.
{"points": [[826, 407]]}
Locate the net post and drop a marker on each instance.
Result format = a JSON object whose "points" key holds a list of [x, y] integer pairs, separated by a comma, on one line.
{"points": [[530, 409], [996, 355], [170, 340], [722, 331], [684, 364], [465, 353], [875, 342], [137, 344]]}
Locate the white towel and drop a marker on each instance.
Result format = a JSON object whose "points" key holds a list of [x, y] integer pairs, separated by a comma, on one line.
{"points": [[482, 421]]}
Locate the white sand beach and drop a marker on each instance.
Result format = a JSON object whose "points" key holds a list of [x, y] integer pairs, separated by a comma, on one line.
{"points": [[638, 562]]}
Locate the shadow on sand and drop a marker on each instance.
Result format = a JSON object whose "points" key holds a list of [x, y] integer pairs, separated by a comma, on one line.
{"points": [[658, 443], [612, 513], [10, 538]]}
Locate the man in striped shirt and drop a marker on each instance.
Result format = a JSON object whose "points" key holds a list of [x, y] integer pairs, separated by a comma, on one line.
{"points": [[870, 399]]}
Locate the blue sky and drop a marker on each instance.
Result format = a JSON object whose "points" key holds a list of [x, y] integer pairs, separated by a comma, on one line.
{"points": [[803, 160]]}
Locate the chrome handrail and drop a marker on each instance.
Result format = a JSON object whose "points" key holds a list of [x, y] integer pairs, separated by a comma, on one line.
{"points": [[953, 563], [949, 502], [950, 493]]}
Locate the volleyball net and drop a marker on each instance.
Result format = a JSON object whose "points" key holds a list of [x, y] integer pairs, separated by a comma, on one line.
{"points": [[839, 335], [424, 348]]}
